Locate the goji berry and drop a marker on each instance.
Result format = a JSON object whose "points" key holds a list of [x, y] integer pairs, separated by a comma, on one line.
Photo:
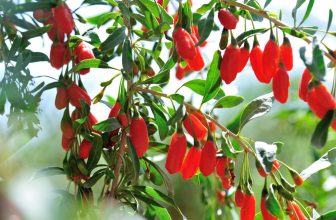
{"points": [[257, 63], [208, 158], [67, 129], [264, 212], [295, 211], [54, 33], [61, 100], [240, 197], [76, 93], [58, 55], [270, 59], [286, 54], [227, 19], [320, 100], [190, 164], [196, 34], [64, 18], [229, 65], [176, 152], [184, 44], [304, 83], [195, 127], [66, 143], [114, 112], [244, 56], [84, 149], [83, 52], [280, 84], [247, 212], [139, 135]]}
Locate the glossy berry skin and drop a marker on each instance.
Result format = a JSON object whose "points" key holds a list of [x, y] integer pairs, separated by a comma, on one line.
{"points": [[227, 19], [226, 182], [221, 166], [67, 129], [76, 93], [244, 56], [197, 63], [184, 44], [114, 112], [66, 143], [61, 100], [176, 152], [54, 33], [304, 84], [196, 34], [221, 197], [42, 15], [240, 198], [64, 18], [139, 135], [257, 64], [264, 212], [208, 158], [123, 120], [298, 180], [286, 54], [84, 149], [213, 126], [83, 52], [280, 85], [195, 127], [58, 55], [248, 211], [270, 59], [320, 100], [180, 72], [229, 66], [191, 163], [295, 212]]}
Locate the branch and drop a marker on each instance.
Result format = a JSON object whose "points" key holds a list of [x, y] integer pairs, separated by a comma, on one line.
{"points": [[275, 21], [191, 107]]}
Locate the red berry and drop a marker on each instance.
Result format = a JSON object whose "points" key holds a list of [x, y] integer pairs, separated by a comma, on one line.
{"points": [[83, 52], [179, 72], [229, 65], [221, 196], [67, 129], [196, 34], [66, 143], [247, 212], [270, 59], [320, 100], [221, 166], [286, 54], [195, 127], [64, 18], [176, 152], [304, 83], [244, 56], [54, 33], [184, 44], [76, 93], [197, 63], [123, 120], [84, 149], [276, 166], [298, 180], [281, 85], [226, 182], [227, 19], [58, 55], [61, 100], [42, 15], [208, 158], [191, 163], [295, 211], [240, 198], [257, 64], [213, 126], [115, 110], [264, 212], [91, 120], [139, 135]]}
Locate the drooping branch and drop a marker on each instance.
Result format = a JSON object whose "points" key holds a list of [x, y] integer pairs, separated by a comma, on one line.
{"points": [[275, 21]]}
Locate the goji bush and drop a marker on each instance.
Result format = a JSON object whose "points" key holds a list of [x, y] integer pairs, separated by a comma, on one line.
{"points": [[158, 43]]}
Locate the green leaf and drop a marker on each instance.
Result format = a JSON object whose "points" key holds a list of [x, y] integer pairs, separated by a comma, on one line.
{"points": [[94, 178], [32, 6], [15, 46], [246, 34], [320, 135], [299, 3], [116, 37], [293, 32], [178, 115], [328, 216], [37, 32], [161, 213], [49, 171], [324, 162], [206, 7], [314, 61], [160, 120], [37, 57], [267, 3], [256, 108], [213, 80], [308, 11], [228, 101], [205, 27], [127, 60], [95, 152], [273, 206], [91, 63], [103, 18], [135, 160], [107, 125], [196, 85], [330, 18], [157, 11], [266, 154], [256, 5]]}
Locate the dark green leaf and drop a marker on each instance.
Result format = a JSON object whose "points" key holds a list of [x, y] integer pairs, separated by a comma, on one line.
{"points": [[206, 7], [299, 3], [308, 10], [110, 124], [324, 162], [256, 108], [135, 160], [213, 80], [91, 63], [160, 120], [127, 60], [103, 18], [320, 135], [95, 152], [37, 32], [273, 205], [229, 101], [328, 216], [49, 171], [246, 34], [205, 27], [293, 32], [94, 178], [314, 60], [330, 18], [116, 37], [178, 115], [266, 154]]}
